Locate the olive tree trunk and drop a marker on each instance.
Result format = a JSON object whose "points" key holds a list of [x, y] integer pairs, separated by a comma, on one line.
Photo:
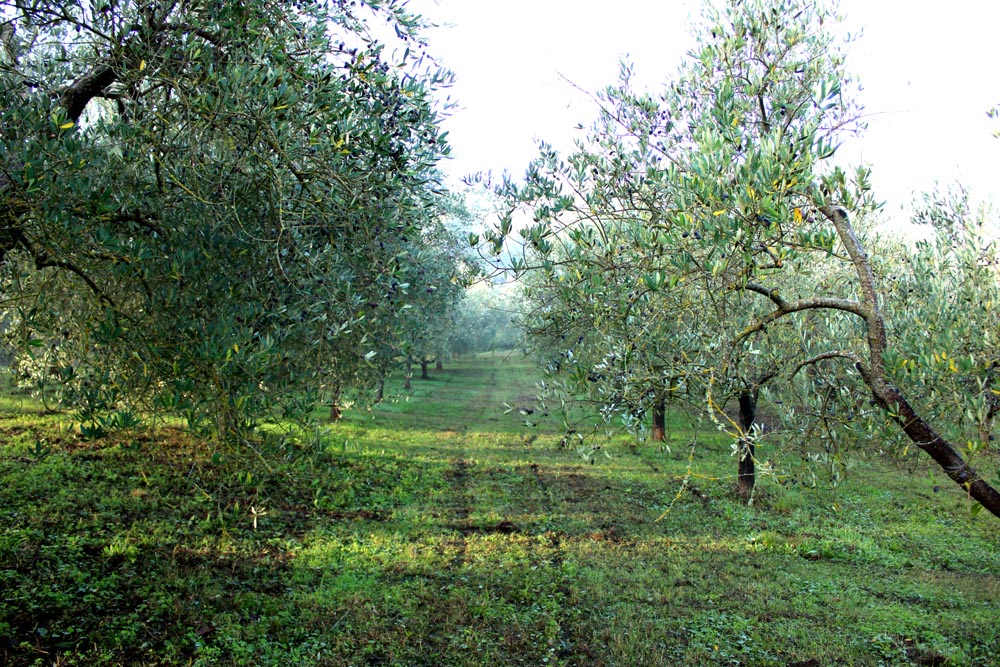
{"points": [[746, 474], [660, 421]]}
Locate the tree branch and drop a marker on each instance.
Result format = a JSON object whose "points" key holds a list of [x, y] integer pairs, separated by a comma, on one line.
{"points": [[832, 303], [863, 268], [42, 262], [78, 94], [838, 354], [764, 377], [785, 307], [193, 30], [140, 219]]}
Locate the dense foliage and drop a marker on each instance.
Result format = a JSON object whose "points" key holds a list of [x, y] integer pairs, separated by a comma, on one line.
{"points": [[222, 210]]}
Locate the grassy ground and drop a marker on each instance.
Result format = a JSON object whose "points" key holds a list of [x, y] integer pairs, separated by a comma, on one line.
{"points": [[439, 531]]}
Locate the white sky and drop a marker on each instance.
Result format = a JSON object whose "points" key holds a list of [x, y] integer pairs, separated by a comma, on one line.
{"points": [[928, 71]]}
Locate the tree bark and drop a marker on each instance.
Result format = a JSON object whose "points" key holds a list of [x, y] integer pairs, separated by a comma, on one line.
{"points": [[943, 452], [659, 421], [424, 362], [76, 96], [408, 373], [746, 474]]}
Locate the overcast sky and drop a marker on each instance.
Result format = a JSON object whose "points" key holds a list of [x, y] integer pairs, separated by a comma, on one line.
{"points": [[928, 71]]}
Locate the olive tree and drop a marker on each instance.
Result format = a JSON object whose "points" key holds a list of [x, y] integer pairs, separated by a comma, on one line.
{"points": [[200, 201], [729, 177], [621, 313]]}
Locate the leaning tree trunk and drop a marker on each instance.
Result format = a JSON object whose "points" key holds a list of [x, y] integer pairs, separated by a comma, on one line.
{"points": [[874, 373], [659, 420], [746, 474], [888, 395], [943, 452], [872, 369]]}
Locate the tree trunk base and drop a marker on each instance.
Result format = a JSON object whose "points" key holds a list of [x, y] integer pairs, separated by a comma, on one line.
{"points": [[746, 477], [659, 422]]}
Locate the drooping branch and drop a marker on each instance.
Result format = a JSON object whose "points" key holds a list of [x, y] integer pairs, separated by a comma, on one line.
{"points": [[833, 354], [785, 307], [46, 262], [43, 261]]}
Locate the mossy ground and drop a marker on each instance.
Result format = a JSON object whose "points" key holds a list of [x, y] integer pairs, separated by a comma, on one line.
{"points": [[440, 531]]}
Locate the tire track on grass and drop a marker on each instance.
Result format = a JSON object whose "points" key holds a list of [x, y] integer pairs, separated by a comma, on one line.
{"points": [[570, 650], [460, 516]]}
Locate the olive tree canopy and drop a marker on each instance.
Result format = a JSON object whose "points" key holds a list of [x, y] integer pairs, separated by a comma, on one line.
{"points": [[692, 225], [209, 207]]}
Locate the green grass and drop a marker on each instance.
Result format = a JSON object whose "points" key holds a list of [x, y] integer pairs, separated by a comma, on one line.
{"points": [[438, 531]]}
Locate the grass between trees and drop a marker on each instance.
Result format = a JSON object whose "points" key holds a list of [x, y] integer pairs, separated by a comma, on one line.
{"points": [[440, 531]]}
